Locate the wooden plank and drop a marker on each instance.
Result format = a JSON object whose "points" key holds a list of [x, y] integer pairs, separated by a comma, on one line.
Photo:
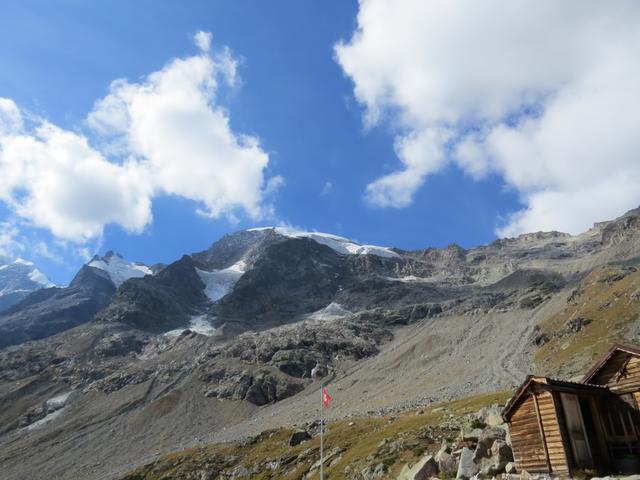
{"points": [[563, 465], [544, 441]]}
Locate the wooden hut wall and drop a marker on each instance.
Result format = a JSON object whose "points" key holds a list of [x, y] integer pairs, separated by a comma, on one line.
{"points": [[549, 413], [621, 373], [526, 439]]}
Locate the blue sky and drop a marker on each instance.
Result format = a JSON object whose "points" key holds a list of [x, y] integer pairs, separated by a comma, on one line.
{"points": [[294, 94]]}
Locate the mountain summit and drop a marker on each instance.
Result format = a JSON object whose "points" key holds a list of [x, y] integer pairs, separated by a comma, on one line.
{"points": [[119, 269], [18, 279]]}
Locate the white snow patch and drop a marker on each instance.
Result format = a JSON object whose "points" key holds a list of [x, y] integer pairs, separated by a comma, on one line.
{"points": [[408, 279], [45, 420], [342, 245], [118, 269], [220, 282], [330, 312], [198, 324], [201, 325], [40, 278], [58, 401]]}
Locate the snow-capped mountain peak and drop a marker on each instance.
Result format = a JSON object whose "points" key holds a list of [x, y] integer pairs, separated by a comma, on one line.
{"points": [[18, 278], [342, 245], [119, 269]]}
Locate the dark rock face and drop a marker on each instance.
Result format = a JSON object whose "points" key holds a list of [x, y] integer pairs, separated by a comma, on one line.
{"points": [[290, 278], [266, 367], [298, 437], [259, 387], [49, 311], [248, 245], [161, 302]]}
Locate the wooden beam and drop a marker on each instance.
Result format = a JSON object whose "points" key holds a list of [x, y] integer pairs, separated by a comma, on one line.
{"points": [[540, 426]]}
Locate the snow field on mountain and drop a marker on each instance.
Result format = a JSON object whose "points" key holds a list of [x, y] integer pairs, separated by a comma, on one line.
{"points": [[220, 282], [341, 245], [118, 269]]}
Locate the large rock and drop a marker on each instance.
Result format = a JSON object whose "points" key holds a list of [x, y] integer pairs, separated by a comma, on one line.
{"points": [[467, 467], [492, 452], [447, 463], [298, 437], [424, 469], [492, 416], [470, 434]]}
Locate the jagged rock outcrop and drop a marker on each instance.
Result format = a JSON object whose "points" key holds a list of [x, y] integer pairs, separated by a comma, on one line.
{"points": [[161, 302]]}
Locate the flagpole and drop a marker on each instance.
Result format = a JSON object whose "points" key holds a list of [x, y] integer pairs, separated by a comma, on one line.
{"points": [[321, 431]]}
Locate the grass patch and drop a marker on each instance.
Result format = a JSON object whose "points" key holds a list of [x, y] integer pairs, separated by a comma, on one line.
{"points": [[393, 441], [609, 297]]}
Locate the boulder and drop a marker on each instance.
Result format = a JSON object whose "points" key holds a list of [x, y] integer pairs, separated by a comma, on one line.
{"points": [[447, 464], [495, 459], [298, 437], [491, 416], [424, 469], [510, 468], [501, 452], [469, 434], [467, 467]]}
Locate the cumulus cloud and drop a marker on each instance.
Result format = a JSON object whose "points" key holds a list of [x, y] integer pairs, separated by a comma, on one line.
{"points": [[543, 93], [165, 135]]}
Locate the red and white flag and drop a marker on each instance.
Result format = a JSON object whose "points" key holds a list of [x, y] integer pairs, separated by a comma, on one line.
{"points": [[326, 398]]}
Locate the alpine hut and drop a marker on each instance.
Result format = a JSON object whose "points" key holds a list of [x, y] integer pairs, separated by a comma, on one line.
{"points": [[560, 427]]}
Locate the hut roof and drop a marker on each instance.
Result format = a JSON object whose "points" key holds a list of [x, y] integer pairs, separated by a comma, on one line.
{"points": [[552, 384], [616, 347]]}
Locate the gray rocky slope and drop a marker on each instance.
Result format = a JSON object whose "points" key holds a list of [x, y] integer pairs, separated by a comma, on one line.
{"points": [[230, 341]]}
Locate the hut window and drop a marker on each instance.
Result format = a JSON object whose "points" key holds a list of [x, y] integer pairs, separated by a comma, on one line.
{"points": [[621, 431]]}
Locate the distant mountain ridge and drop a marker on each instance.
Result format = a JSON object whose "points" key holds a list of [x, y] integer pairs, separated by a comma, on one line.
{"points": [[18, 278], [45, 310], [264, 277]]}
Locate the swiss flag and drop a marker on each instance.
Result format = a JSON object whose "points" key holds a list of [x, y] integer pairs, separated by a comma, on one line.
{"points": [[326, 398]]}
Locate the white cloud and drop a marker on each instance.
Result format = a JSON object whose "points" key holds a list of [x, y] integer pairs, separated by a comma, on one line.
{"points": [[203, 40], [543, 93], [10, 117], [163, 136]]}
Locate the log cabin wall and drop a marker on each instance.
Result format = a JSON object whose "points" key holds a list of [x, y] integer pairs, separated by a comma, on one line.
{"points": [[526, 439], [551, 420]]}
